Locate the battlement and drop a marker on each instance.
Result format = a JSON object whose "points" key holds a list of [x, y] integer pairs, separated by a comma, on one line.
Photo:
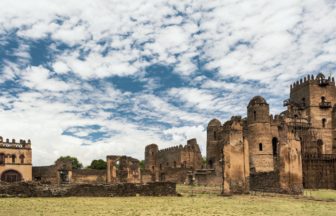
{"points": [[192, 145], [13, 141], [276, 120], [318, 80]]}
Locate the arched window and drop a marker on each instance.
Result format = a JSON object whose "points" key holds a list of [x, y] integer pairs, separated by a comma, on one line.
{"points": [[22, 159], [160, 166], [13, 158], [2, 158], [274, 145], [260, 146], [174, 164], [11, 176], [254, 115], [324, 122], [303, 101], [322, 99], [215, 135]]}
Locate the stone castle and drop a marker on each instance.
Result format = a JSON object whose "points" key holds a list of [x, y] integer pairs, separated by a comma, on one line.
{"points": [[290, 151]]}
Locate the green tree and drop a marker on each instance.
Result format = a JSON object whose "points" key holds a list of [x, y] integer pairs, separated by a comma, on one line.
{"points": [[98, 164], [142, 164], [75, 163], [204, 160]]}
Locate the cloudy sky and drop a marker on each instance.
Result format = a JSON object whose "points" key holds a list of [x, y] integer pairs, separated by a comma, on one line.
{"points": [[96, 78]]}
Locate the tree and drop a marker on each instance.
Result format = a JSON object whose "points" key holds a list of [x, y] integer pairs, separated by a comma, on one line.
{"points": [[142, 164], [98, 164], [75, 163], [204, 160]]}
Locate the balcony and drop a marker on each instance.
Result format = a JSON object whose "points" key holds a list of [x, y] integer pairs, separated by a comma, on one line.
{"points": [[325, 104], [323, 82], [294, 104]]}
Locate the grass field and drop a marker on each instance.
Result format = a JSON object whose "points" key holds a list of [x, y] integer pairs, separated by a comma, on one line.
{"points": [[185, 205]]}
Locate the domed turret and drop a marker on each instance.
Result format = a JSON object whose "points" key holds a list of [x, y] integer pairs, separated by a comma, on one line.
{"points": [[259, 137], [257, 110], [214, 122]]}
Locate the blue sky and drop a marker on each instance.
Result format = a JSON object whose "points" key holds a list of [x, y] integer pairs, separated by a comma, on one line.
{"points": [[96, 78]]}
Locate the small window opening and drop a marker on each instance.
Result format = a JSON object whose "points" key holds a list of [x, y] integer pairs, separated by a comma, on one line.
{"points": [[153, 168], [222, 151], [323, 123], [295, 116], [303, 101], [319, 145], [174, 164], [210, 164], [274, 145], [260, 147], [215, 135], [254, 115], [2, 159], [160, 166], [13, 158], [22, 159], [167, 164], [152, 153]]}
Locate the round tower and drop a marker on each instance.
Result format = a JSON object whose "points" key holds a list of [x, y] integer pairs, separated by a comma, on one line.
{"points": [[259, 135], [151, 153], [213, 150]]}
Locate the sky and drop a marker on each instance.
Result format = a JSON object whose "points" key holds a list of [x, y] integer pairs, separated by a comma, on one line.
{"points": [[96, 78]]}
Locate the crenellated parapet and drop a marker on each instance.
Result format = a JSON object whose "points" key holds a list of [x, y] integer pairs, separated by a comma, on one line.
{"points": [[318, 80], [13, 141], [180, 148], [276, 120]]}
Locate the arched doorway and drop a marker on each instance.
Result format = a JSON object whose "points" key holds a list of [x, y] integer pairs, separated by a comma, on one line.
{"points": [[274, 145], [11, 176], [319, 146]]}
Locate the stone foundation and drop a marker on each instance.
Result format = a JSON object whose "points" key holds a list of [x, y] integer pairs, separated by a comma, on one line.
{"points": [[37, 189]]}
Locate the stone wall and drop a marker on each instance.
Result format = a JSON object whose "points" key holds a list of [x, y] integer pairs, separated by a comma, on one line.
{"points": [[265, 181], [88, 176], [176, 175], [35, 189]]}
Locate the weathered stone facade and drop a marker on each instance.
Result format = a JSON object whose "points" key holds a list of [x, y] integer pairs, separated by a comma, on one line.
{"points": [[128, 170], [262, 152], [172, 164], [62, 172], [37, 189]]}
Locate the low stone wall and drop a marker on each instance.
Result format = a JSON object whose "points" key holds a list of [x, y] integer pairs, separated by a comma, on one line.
{"points": [[36, 189]]}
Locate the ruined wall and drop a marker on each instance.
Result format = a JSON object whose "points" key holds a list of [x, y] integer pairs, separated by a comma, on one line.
{"points": [[128, 171], [88, 176], [176, 175], [35, 189], [51, 173]]}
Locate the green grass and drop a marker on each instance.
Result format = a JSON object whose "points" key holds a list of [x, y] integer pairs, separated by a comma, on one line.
{"points": [[198, 205]]}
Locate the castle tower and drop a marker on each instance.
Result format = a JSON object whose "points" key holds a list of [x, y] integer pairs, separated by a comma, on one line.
{"points": [[151, 154], [314, 98], [259, 135], [213, 149]]}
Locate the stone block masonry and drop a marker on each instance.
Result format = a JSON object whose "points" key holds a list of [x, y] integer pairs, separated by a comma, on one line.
{"points": [[37, 189]]}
